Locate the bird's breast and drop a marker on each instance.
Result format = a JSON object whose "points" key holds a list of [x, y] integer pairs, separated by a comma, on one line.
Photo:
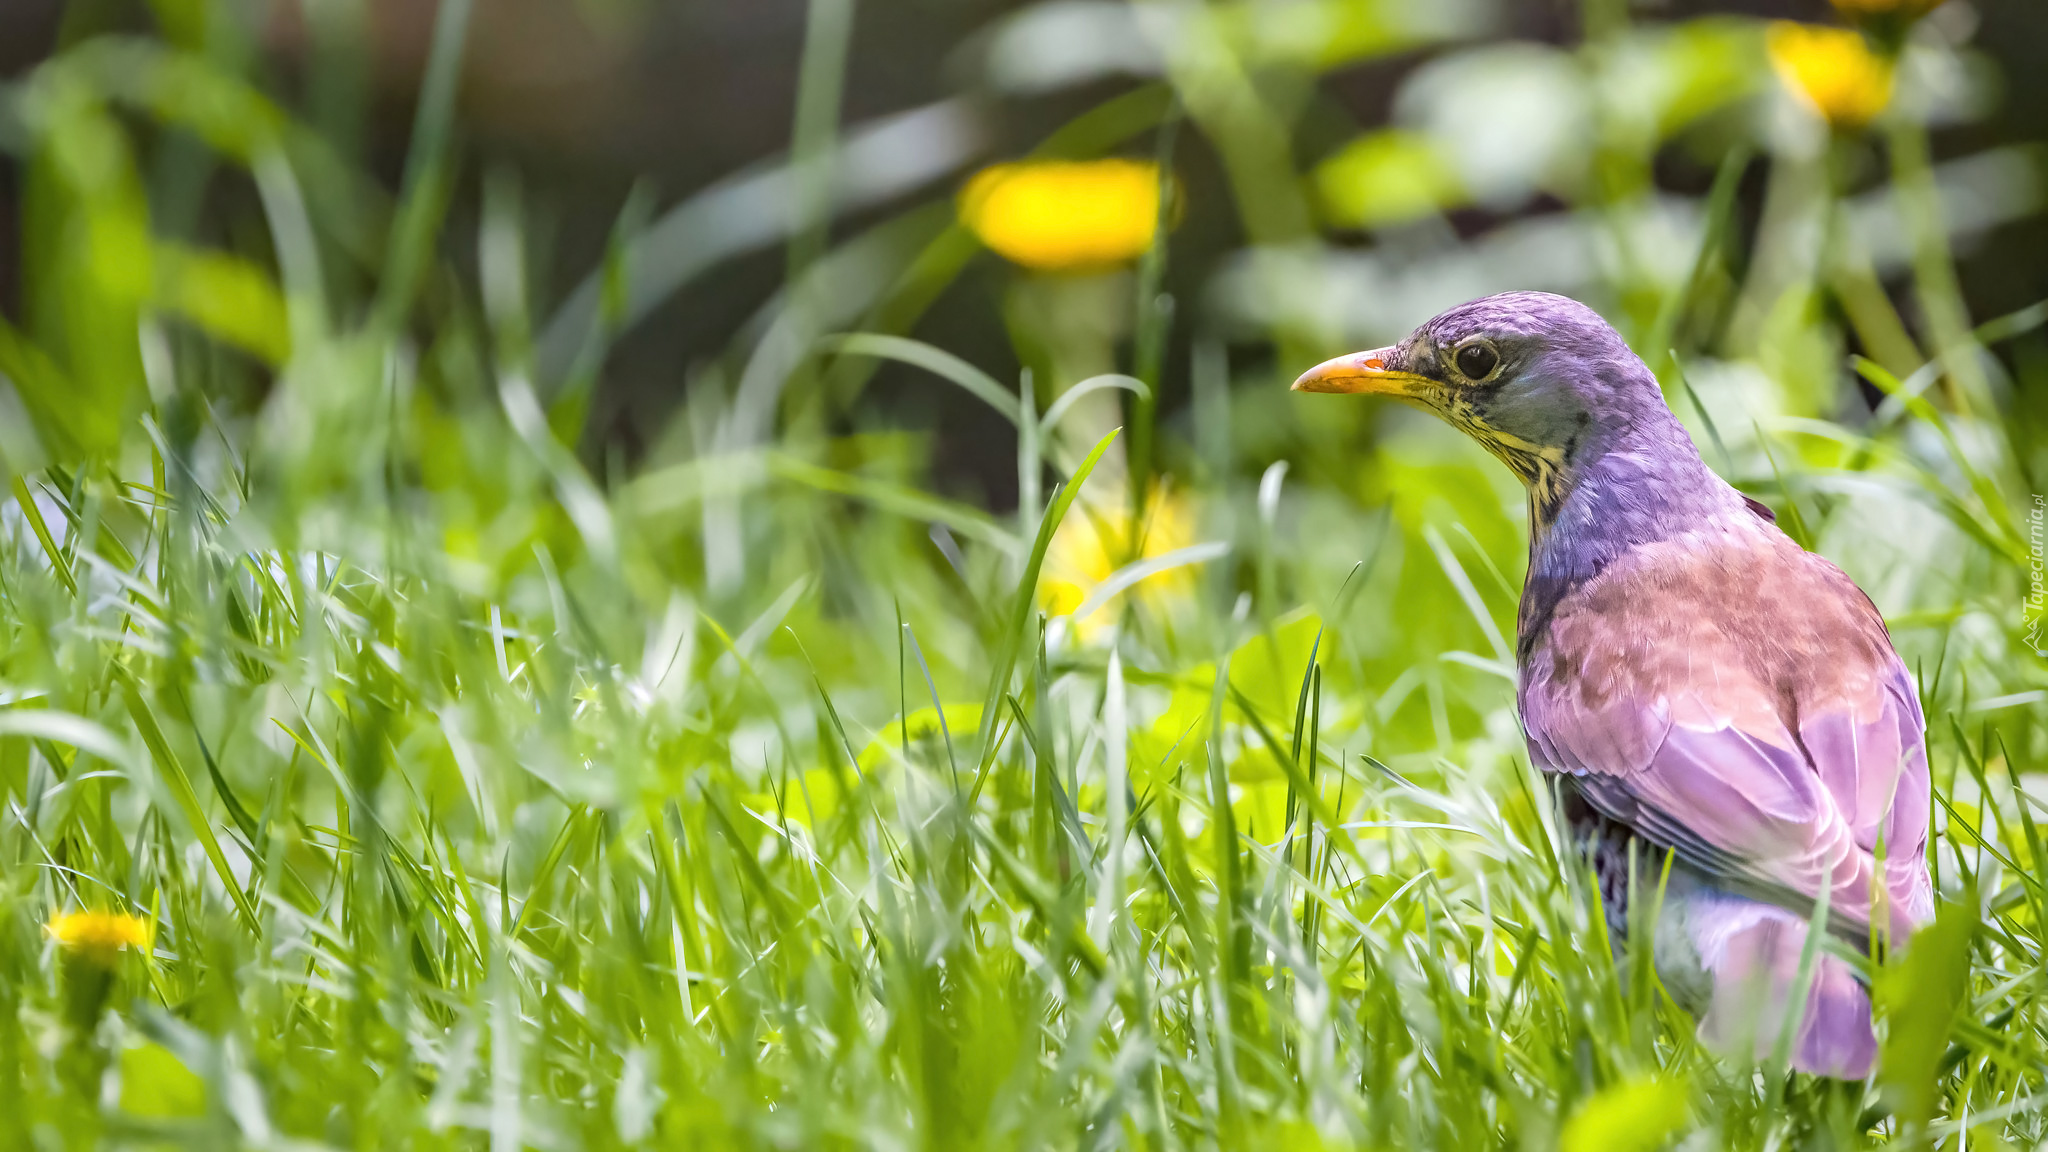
{"points": [[1732, 620]]}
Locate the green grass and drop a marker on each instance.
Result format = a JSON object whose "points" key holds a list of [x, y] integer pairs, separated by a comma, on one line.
{"points": [[477, 797]]}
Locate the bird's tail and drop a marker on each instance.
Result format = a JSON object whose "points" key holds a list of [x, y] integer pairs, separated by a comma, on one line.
{"points": [[1752, 953]]}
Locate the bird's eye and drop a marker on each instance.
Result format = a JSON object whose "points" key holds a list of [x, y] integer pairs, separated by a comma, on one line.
{"points": [[1477, 360]]}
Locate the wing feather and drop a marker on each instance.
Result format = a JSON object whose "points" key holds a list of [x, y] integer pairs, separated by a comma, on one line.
{"points": [[1737, 700]]}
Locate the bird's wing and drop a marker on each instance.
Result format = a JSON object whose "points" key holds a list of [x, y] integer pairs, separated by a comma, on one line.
{"points": [[1738, 700]]}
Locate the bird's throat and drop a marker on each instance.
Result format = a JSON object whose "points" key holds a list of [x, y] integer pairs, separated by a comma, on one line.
{"points": [[1543, 470], [1588, 509], [1540, 467]]}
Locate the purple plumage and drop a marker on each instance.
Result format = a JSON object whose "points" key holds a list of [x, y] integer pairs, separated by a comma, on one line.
{"points": [[1694, 679]]}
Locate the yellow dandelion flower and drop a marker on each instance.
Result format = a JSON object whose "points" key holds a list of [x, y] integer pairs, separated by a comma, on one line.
{"points": [[1096, 540], [98, 936], [1832, 69], [1064, 215]]}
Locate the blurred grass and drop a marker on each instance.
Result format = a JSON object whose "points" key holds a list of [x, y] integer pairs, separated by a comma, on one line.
{"points": [[469, 795]]}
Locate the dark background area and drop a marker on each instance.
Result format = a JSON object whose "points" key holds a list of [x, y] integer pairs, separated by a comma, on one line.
{"points": [[586, 99]]}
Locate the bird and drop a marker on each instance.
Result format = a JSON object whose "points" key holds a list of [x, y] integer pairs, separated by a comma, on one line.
{"points": [[1695, 685]]}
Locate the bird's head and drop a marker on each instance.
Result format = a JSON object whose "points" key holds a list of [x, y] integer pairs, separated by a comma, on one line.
{"points": [[1537, 379]]}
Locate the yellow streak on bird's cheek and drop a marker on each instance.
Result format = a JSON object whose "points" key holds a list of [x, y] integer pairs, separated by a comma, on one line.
{"points": [[1546, 454], [1539, 466]]}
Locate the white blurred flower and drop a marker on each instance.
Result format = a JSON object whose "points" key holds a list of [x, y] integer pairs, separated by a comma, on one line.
{"points": [[1513, 119]]}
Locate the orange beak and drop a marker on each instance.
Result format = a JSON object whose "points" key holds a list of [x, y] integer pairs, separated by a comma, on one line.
{"points": [[1364, 372]]}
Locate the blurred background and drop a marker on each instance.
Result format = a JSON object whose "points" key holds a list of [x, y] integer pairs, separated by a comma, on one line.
{"points": [[1402, 156]]}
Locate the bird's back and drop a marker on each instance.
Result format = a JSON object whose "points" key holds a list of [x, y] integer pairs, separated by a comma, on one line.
{"points": [[1718, 691]]}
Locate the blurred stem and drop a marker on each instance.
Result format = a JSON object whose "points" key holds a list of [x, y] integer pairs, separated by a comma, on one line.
{"points": [[1030, 457], [1934, 274], [1660, 346], [1783, 251], [182, 165], [1620, 182], [428, 169], [1066, 327], [501, 268], [1210, 375], [828, 33], [183, 22], [85, 19], [570, 405], [87, 986], [338, 72], [1870, 312], [1602, 19], [1154, 319], [1849, 272], [1253, 142], [1255, 158]]}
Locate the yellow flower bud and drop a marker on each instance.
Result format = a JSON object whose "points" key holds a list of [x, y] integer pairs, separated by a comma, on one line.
{"points": [[98, 936], [1065, 215], [1097, 539], [1832, 69]]}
